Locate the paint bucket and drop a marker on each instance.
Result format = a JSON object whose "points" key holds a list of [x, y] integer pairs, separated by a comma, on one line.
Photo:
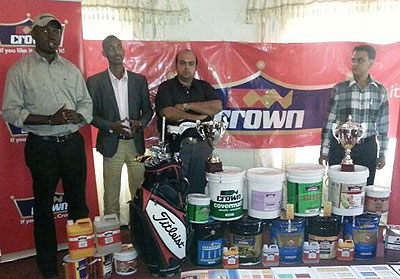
{"points": [[125, 262], [226, 192], [347, 190], [289, 235], [247, 233], [198, 208], [392, 243], [265, 187], [80, 238], [207, 244], [304, 188], [101, 266], [365, 236], [377, 199], [75, 269], [325, 231]]}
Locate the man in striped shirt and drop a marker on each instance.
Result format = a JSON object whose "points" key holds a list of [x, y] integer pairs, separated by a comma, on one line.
{"points": [[366, 101]]}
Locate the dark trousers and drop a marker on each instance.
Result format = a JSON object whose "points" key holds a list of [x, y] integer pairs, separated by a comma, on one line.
{"points": [[363, 154], [194, 156], [49, 162]]}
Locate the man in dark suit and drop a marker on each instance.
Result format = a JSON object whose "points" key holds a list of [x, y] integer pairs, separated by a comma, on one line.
{"points": [[121, 108]]}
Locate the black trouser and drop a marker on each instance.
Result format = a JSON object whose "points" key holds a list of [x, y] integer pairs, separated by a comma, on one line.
{"points": [[50, 161], [363, 154]]}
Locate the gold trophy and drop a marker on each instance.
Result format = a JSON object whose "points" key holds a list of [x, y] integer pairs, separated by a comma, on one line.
{"points": [[212, 131], [348, 134]]}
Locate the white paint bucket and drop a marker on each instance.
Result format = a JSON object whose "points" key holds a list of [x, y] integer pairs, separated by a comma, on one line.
{"points": [[125, 262], [198, 208], [377, 199], [226, 193], [347, 190], [265, 187], [304, 188]]}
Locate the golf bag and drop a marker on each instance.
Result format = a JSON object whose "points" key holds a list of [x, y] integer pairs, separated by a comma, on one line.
{"points": [[157, 216]]}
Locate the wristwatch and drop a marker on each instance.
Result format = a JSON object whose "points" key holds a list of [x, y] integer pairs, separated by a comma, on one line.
{"points": [[185, 106]]}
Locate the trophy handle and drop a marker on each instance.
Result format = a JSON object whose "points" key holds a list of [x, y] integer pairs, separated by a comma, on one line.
{"points": [[200, 129], [335, 132], [362, 131]]}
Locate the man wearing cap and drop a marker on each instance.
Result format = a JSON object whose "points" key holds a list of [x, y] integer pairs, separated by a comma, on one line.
{"points": [[46, 95], [121, 108]]}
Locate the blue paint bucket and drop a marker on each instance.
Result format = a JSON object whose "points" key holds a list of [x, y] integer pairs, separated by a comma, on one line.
{"points": [[290, 238], [207, 244], [365, 236]]}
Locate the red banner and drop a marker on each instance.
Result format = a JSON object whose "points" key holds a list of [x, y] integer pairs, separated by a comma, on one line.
{"points": [[275, 95], [16, 200]]}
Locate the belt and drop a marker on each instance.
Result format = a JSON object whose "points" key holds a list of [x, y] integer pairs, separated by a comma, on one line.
{"points": [[190, 140], [367, 139], [57, 139], [125, 138]]}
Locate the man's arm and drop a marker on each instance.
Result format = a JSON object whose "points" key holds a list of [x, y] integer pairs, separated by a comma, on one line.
{"points": [[382, 128], [84, 104], [208, 107], [147, 111], [175, 115], [327, 129]]}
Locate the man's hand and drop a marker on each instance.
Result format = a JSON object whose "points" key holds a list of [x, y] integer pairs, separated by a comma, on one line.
{"points": [[65, 116], [380, 163], [135, 125], [120, 128], [323, 160]]}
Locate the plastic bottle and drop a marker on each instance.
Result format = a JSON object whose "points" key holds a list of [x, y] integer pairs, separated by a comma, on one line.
{"points": [[108, 234], [345, 250], [270, 255], [230, 257], [80, 238], [311, 252]]}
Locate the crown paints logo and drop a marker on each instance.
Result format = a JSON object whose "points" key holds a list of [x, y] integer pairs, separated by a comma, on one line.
{"points": [[263, 104], [17, 34], [25, 207]]}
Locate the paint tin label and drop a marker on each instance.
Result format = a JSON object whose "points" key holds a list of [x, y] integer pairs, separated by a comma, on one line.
{"points": [[227, 204], [266, 201], [209, 252], [306, 197], [198, 213]]}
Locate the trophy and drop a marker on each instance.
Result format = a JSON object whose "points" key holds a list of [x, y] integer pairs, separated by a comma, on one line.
{"points": [[213, 131], [348, 134]]}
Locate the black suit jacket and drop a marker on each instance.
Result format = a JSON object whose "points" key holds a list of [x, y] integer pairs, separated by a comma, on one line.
{"points": [[105, 109]]}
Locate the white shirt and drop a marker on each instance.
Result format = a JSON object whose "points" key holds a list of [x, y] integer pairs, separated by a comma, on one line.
{"points": [[120, 87]]}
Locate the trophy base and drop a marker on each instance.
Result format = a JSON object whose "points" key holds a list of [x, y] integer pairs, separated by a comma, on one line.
{"points": [[213, 167], [347, 167]]}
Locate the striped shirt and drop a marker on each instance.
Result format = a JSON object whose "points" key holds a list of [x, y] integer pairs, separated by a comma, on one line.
{"points": [[368, 105]]}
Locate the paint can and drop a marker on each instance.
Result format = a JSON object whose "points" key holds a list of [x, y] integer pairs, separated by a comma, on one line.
{"points": [[247, 233], [365, 236], [347, 190], [198, 208], [75, 269], [125, 262], [325, 231], [226, 193], [304, 188], [207, 244], [289, 236], [392, 243], [265, 187], [377, 199], [100, 266]]}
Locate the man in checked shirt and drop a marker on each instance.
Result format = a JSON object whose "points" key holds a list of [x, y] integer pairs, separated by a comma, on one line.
{"points": [[366, 101]]}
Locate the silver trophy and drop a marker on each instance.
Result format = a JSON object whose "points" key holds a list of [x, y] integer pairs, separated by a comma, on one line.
{"points": [[348, 134], [213, 132]]}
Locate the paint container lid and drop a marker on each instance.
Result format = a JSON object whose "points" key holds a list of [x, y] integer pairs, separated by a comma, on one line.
{"points": [[208, 231], [126, 255], [307, 169], [68, 259], [324, 226], [198, 199], [246, 226], [260, 174], [377, 191]]}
